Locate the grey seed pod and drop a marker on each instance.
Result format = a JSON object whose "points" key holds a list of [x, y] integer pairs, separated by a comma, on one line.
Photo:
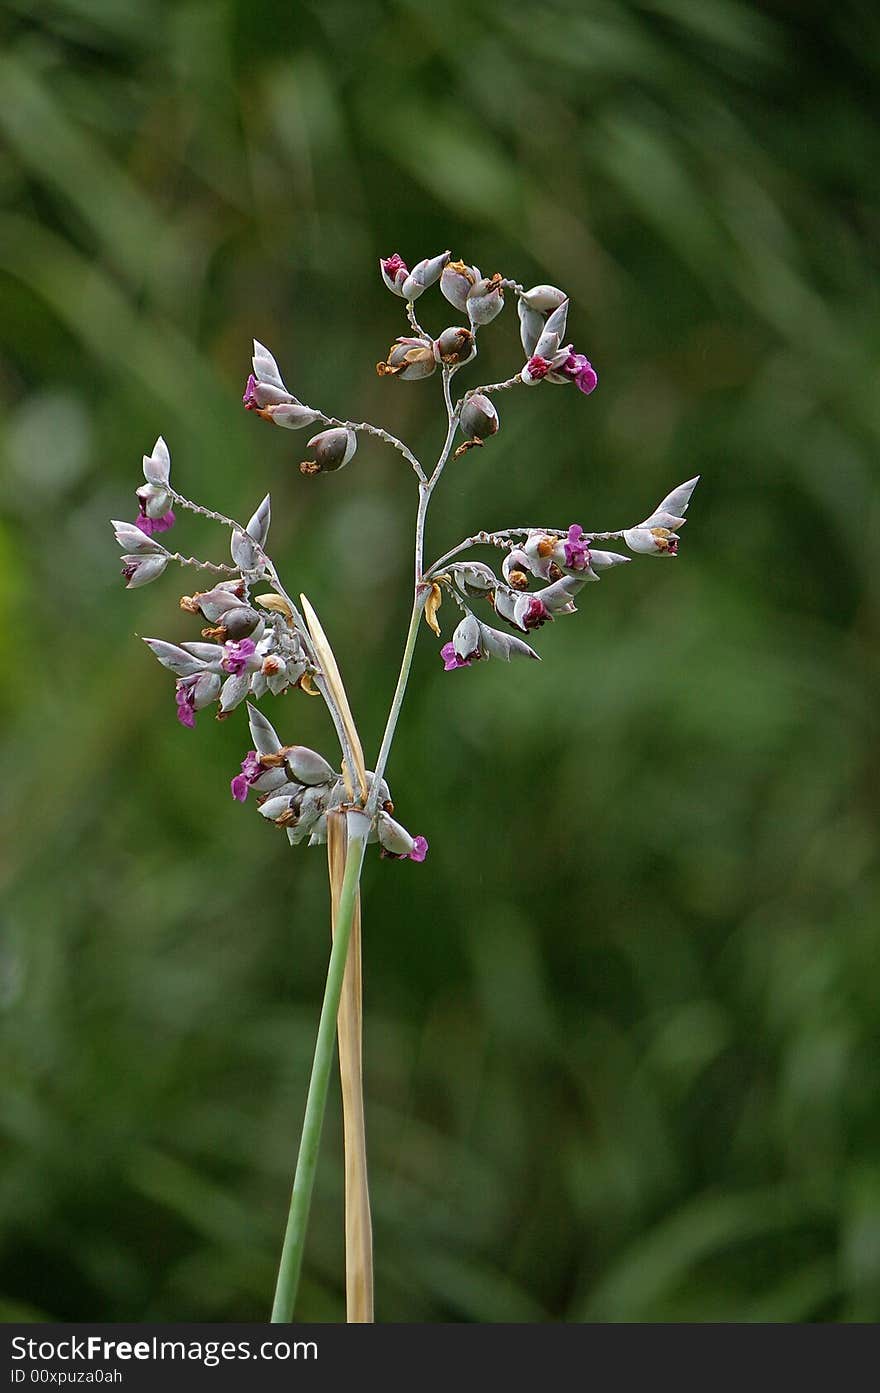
{"points": [[241, 622], [558, 598], [466, 638], [274, 808], [213, 604], [456, 282], [155, 501], [308, 766], [234, 691], [516, 569], [244, 551], [205, 690], [485, 300], [423, 274], [531, 327], [475, 576], [479, 418], [132, 539], [602, 560], [505, 605], [543, 298], [409, 358], [263, 733], [157, 466], [140, 570], [293, 415], [454, 346], [332, 449], [269, 780], [170, 656], [211, 654], [392, 836], [505, 646], [259, 686], [258, 527]]}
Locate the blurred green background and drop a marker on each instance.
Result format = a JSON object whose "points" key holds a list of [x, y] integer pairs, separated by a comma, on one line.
{"points": [[622, 1028]]}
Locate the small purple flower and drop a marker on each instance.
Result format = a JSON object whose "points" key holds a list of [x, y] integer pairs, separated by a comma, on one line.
{"points": [[536, 614], [185, 698], [577, 552], [580, 370], [149, 526], [420, 849], [250, 400], [451, 660], [536, 368], [394, 263], [238, 654], [251, 769]]}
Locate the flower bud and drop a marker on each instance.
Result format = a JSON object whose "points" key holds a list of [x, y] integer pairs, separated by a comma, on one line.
{"points": [[423, 274], [244, 551], [479, 418], [475, 576], [409, 358], [133, 538], [258, 527], [140, 570], [603, 560], [234, 691], [394, 272], [454, 346], [157, 466], [531, 327], [456, 282], [154, 502], [332, 450], [466, 639], [485, 299], [543, 298], [558, 598], [396, 842]]}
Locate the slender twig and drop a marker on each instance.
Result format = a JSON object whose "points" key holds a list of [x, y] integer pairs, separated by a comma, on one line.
{"points": [[220, 568], [411, 316], [365, 428]]}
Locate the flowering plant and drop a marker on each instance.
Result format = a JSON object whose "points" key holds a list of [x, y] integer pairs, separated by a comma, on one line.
{"points": [[259, 642]]}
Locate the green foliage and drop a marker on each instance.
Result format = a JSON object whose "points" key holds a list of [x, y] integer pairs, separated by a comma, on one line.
{"points": [[622, 1027]]}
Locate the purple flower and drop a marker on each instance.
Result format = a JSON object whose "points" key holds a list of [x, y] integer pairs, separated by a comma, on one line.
{"points": [[451, 659], [238, 654], [536, 368], [577, 552], [420, 849], [580, 370], [251, 769], [536, 614], [185, 698], [394, 263], [250, 400], [151, 525]]}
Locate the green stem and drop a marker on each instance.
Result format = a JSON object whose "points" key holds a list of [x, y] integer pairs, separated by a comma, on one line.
{"points": [[316, 1102]]}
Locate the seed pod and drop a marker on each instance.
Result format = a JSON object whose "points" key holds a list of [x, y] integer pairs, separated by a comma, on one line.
{"points": [[485, 299], [332, 450], [466, 639], [454, 346], [409, 358], [308, 766], [531, 326], [543, 298], [240, 622], [479, 418], [456, 282], [505, 646], [178, 661], [423, 274], [140, 570], [263, 733]]}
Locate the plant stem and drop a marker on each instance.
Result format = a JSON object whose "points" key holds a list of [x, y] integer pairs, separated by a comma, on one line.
{"points": [[316, 1102]]}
